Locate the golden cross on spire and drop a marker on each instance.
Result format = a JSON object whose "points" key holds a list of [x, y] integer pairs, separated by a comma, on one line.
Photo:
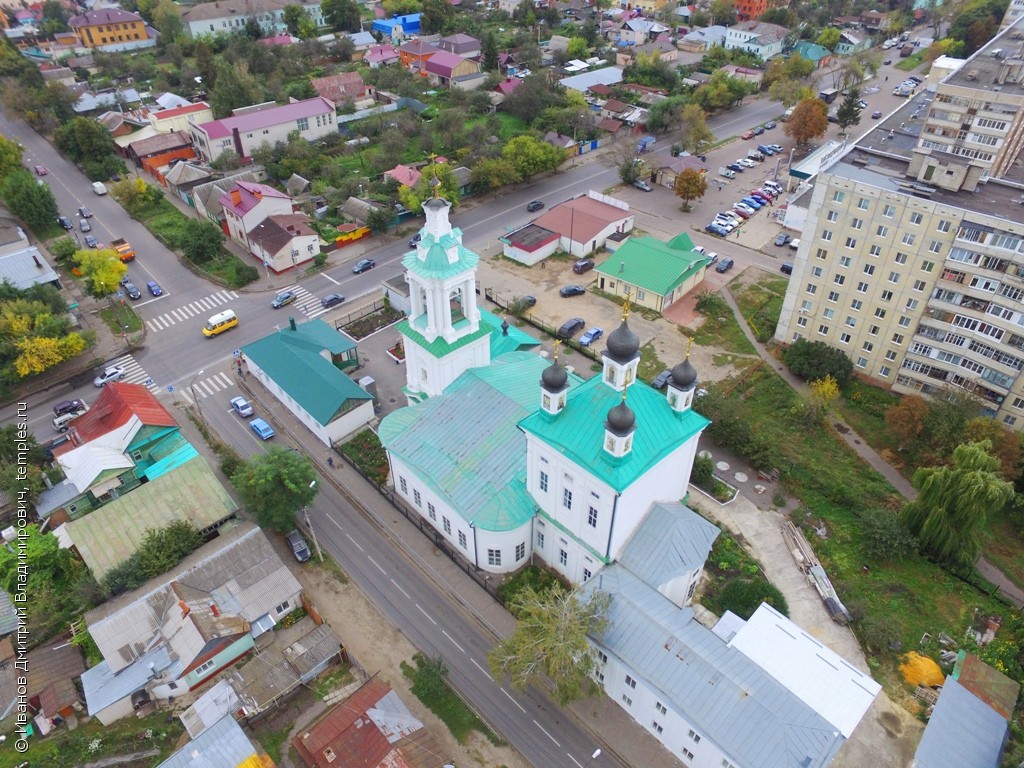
{"points": [[436, 183], [557, 345], [625, 306], [689, 343]]}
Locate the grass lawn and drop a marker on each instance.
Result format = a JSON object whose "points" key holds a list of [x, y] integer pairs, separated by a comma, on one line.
{"points": [[121, 318], [439, 698], [761, 303], [720, 329], [912, 62]]}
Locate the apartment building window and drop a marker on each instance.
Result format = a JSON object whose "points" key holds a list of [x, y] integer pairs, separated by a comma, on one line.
{"points": [[431, 512], [886, 296], [630, 682], [1011, 292], [869, 269], [822, 253], [592, 518], [462, 539], [540, 540], [837, 196], [851, 321], [891, 355], [844, 261], [627, 701], [889, 211], [862, 287], [943, 225], [829, 313], [823, 330], [851, 242], [839, 279], [1018, 403], [520, 551], [727, 764], [879, 313], [563, 557], [303, 123], [908, 238], [857, 224], [935, 246], [1009, 420], [897, 338], [894, 277], [802, 322], [447, 524], [919, 285], [833, 296], [901, 258], [862, 362], [856, 304], [867, 346], [863, 203], [815, 271], [567, 498], [873, 330], [494, 557], [927, 266], [915, 218], [833, 216], [812, 288], [805, 305], [884, 371], [826, 235], [417, 498], [875, 250], [544, 481], [911, 304], [687, 753], [882, 231]]}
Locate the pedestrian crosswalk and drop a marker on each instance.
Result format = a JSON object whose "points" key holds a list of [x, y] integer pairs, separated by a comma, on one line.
{"points": [[207, 387], [135, 373], [203, 307], [305, 302]]}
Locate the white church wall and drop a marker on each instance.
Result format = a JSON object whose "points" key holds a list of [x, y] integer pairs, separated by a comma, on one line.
{"points": [[430, 375]]}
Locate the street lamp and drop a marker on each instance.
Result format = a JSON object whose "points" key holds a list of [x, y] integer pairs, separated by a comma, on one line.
{"points": [[309, 525], [192, 386]]}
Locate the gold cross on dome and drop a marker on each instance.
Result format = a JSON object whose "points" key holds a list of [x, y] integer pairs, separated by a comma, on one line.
{"points": [[625, 306]]}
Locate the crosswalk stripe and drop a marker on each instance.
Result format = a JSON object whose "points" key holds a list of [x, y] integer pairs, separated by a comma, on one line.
{"points": [[223, 377]]}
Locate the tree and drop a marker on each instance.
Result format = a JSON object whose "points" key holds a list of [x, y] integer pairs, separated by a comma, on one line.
{"points": [[448, 188], [690, 185], [884, 536], [906, 420], [848, 113], [489, 53], [41, 353], [693, 130], [31, 202], [530, 156], [578, 48], [379, 219], [789, 92], [823, 394], [292, 16], [812, 360], [83, 138], [797, 67], [493, 173], [551, 641], [438, 17], [201, 241], [342, 15], [102, 268], [952, 505], [531, 97], [1005, 444], [10, 157], [808, 121], [167, 20], [236, 87], [275, 485], [723, 12], [829, 38], [784, 17]]}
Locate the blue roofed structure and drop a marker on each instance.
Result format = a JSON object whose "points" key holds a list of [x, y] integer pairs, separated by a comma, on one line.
{"points": [[963, 731], [222, 745], [398, 27]]}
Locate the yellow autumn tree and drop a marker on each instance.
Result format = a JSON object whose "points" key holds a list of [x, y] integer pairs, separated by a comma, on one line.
{"points": [[823, 394], [102, 268], [40, 353]]}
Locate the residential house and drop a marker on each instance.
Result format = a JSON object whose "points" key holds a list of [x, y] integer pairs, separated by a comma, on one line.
{"points": [[615, 109], [381, 56], [673, 166], [207, 194], [227, 17], [506, 86], [111, 29], [639, 31], [660, 48], [361, 43], [750, 10], [343, 87], [126, 439], [557, 140], [444, 68], [88, 102], [284, 241], [246, 205], [398, 28], [653, 273], [178, 630], [21, 264], [987, 683], [747, 74], [113, 533], [579, 227], [818, 55], [156, 152], [876, 21], [244, 132], [305, 367], [585, 80], [758, 37], [700, 40], [466, 46], [850, 43], [48, 690], [179, 118], [962, 731], [222, 744], [279, 39], [405, 175], [372, 728], [54, 73], [612, 127], [414, 54]]}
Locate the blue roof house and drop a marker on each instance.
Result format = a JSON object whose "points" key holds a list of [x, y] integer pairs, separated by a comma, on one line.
{"points": [[398, 27], [963, 731]]}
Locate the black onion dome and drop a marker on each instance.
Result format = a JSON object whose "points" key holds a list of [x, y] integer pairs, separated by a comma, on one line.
{"points": [[622, 343], [621, 419], [554, 377], [684, 375]]}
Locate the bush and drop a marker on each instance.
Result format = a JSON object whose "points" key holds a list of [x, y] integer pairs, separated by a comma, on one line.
{"points": [[160, 551], [744, 596], [703, 469], [885, 537], [540, 580], [814, 360]]}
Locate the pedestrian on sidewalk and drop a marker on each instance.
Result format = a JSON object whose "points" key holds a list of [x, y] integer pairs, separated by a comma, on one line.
{"points": [[330, 462]]}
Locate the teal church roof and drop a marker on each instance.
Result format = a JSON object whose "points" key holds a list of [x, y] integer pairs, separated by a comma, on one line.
{"points": [[489, 324], [466, 443], [579, 432], [652, 265], [435, 262], [292, 357]]}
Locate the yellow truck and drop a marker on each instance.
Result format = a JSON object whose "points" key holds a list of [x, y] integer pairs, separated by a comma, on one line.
{"points": [[124, 249]]}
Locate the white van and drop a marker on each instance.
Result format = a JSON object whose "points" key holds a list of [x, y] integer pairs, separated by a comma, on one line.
{"points": [[99, 188], [60, 423], [222, 321]]}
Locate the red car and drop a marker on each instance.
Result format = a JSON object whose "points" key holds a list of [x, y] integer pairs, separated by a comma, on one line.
{"points": [[747, 135], [41, 170]]}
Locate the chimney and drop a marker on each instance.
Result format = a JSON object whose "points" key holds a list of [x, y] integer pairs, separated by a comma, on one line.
{"points": [[35, 258], [184, 608], [214, 610], [291, 323], [622, 267], [236, 197]]}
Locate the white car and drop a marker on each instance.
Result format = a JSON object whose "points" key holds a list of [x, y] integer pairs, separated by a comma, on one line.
{"points": [[794, 244], [745, 208], [730, 215], [698, 249], [746, 163], [727, 224]]}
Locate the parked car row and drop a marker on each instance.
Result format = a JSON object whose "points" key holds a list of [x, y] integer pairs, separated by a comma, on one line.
{"points": [[727, 221], [747, 135]]}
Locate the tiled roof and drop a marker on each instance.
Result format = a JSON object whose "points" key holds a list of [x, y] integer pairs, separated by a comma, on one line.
{"points": [[653, 265], [293, 359], [337, 88], [116, 404], [616, 106], [987, 683], [103, 16], [266, 118], [165, 114], [405, 175], [275, 232], [162, 142], [580, 219], [508, 85], [419, 47], [250, 194]]}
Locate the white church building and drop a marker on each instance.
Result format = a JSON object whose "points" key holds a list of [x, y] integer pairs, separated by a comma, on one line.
{"points": [[510, 457]]}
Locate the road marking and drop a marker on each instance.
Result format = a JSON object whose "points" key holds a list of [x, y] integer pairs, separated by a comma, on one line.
{"points": [[431, 618], [331, 279], [514, 701], [368, 557], [546, 733], [354, 541], [401, 590], [453, 641], [574, 759], [190, 310], [482, 670]]}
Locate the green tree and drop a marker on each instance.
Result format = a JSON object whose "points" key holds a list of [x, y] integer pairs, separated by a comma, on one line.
{"points": [[292, 15], [808, 121], [797, 67], [531, 97], [723, 12], [666, 114], [531, 156], [651, 70], [694, 132], [814, 360], [201, 241], [784, 17], [236, 87], [102, 268], [690, 185], [275, 485], [438, 17], [829, 38], [341, 15], [10, 157], [414, 197], [489, 53], [551, 641], [493, 173], [578, 48], [884, 536], [789, 92], [379, 219], [848, 113], [400, 7], [31, 202], [949, 514], [167, 20]]}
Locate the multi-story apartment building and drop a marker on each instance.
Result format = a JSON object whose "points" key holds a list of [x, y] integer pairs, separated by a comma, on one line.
{"points": [[912, 254], [230, 16], [110, 28], [1013, 12]]}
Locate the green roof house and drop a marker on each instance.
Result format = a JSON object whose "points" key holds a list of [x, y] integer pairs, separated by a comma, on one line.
{"points": [[655, 274], [304, 367], [818, 55]]}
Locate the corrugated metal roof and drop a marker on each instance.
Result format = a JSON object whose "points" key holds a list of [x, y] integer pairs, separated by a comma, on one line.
{"points": [[219, 700], [963, 732], [222, 745], [652, 265], [986, 682], [672, 540], [440, 258], [578, 432], [727, 697], [103, 686], [480, 471]]}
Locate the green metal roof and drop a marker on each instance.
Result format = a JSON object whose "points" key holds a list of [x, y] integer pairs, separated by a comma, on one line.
{"points": [[436, 262], [812, 51], [489, 324], [466, 444], [653, 265], [112, 533], [292, 358], [578, 431]]}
